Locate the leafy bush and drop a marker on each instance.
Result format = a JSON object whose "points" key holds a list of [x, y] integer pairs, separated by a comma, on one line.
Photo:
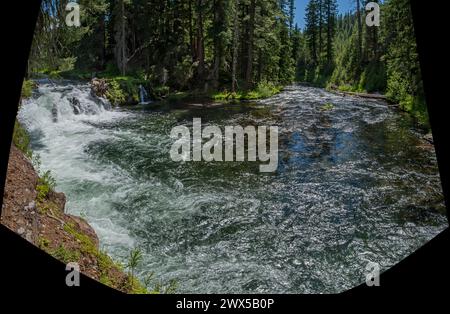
{"points": [[373, 78], [65, 255], [115, 94], [21, 139], [263, 90], [160, 92], [27, 88], [267, 89], [66, 64], [45, 184]]}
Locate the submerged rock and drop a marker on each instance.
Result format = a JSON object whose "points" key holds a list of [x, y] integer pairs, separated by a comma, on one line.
{"points": [[76, 105], [55, 112]]}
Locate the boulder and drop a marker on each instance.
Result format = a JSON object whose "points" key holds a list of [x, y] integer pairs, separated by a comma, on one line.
{"points": [[99, 87]]}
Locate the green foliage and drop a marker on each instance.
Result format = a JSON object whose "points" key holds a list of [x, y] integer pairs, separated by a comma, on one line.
{"points": [[134, 259], [115, 93], [43, 243], [27, 88], [117, 37], [373, 78], [104, 262], [327, 107], [21, 139], [65, 255], [169, 288], [367, 59], [160, 92], [263, 90], [45, 184], [67, 64], [266, 89]]}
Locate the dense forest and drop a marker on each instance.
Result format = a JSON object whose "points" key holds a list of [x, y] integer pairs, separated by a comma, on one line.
{"points": [[230, 48], [349, 165], [342, 52]]}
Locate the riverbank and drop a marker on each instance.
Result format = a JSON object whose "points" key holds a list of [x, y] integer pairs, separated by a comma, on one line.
{"points": [[219, 227], [33, 209], [124, 90], [413, 106]]}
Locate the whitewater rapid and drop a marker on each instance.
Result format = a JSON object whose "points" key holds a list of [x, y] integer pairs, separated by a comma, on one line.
{"points": [[353, 186], [60, 146]]}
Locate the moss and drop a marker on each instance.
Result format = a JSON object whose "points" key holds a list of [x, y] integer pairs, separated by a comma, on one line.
{"points": [[21, 139], [43, 243], [177, 97], [263, 90], [104, 279], [327, 107], [161, 92], [105, 263], [65, 255], [115, 94], [27, 88], [45, 184]]}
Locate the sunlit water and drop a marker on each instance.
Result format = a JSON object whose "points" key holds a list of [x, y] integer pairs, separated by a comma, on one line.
{"points": [[353, 186]]}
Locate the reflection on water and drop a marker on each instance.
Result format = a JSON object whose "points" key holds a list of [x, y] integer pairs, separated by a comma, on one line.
{"points": [[352, 186]]}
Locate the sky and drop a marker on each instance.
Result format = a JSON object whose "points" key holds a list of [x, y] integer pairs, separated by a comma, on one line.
{"points": [[343, 7]]}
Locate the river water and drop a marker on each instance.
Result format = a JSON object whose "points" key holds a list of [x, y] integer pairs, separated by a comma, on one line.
{"points": [[354, 185]]}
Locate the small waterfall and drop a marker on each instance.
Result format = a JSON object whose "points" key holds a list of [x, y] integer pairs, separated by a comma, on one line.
{"points": [[143, 95], [63, 119], [61, 103]]}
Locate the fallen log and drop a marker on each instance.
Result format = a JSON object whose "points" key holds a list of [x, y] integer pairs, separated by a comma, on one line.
{"points": [[362, 95]]}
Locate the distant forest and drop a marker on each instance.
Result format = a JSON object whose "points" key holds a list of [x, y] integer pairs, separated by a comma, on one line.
{"points": [[227, 47]]}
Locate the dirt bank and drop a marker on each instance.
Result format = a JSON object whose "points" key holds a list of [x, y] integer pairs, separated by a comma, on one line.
{"points": [[38, 215]]}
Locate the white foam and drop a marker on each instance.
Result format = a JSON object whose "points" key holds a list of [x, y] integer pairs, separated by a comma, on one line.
{"points": [[60, 137]]}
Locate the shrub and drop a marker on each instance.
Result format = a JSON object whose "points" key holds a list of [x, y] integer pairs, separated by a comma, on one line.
{"points": [[45, 184], [21, 139], [27, 88], [115, 93]]}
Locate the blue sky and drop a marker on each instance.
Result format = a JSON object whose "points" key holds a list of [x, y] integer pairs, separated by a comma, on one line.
{"points": [[343, 7]]}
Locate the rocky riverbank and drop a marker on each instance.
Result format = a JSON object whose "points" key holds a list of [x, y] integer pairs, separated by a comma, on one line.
{"points": [[36, 212]]}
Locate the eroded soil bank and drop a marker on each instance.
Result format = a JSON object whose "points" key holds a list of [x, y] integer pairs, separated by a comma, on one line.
{"points": [[41, 220]]}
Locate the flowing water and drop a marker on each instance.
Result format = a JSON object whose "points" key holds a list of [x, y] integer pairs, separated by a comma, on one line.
{"points": [[354, 185]]}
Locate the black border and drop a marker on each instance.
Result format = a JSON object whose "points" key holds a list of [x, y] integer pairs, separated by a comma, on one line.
{"points": [[25, 268]]}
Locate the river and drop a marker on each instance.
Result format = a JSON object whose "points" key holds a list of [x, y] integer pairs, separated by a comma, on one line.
{"points": [[354, 185]]}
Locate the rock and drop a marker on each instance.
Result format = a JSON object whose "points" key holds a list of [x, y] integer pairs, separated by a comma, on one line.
{"points": [[55, 112], [429, 138], [99, 87], [86, 229], [29, 237], [21, 230], [76, 105], [31, 206], [59, 199]]}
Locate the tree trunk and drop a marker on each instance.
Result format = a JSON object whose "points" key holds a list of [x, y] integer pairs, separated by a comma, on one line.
{"points": [[358, 16], [235, 47], [199, 40], [191, 32], [320, 4], [218, 45], [249, 71], [329, 33]]}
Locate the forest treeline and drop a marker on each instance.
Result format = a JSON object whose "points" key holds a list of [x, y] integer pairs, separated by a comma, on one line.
{"points": [[233, 45], [204, 44], [343, 52]]}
